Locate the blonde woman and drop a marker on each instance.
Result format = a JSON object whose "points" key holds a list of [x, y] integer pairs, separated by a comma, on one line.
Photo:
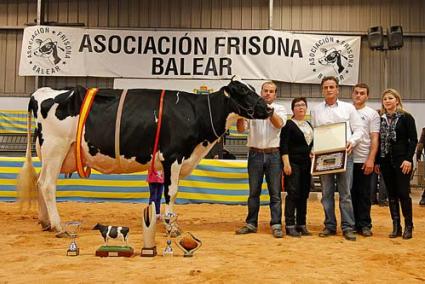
{"points": [[398, 139]]}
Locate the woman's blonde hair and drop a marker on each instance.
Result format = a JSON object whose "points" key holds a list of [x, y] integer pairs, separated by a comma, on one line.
{"points": [[396, 95]]}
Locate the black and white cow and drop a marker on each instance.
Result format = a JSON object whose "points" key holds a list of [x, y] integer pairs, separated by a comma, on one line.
{"points": [[112, 232], [191, 125]]}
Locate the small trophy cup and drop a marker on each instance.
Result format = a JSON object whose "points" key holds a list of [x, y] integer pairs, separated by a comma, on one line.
{"points": [[72, 229], [168, 251], [188, 243], [170, 220], [149, 227]]}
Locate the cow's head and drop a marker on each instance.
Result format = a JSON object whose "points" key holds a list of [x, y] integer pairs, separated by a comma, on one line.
{"points": [[48, 49], [45, 48], [333, 57], [245, 101]]}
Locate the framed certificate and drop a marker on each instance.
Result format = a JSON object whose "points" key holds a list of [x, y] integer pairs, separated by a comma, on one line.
{"points": [[330, 154]]}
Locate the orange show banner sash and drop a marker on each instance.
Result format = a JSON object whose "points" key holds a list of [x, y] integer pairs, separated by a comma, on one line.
{"points": [[84, 113]]}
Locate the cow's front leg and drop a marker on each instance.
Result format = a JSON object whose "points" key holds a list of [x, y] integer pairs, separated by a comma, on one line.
{"points": [[172, 195]]}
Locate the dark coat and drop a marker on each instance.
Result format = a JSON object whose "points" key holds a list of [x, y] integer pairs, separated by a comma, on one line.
{"points": [[292, 143], [404, 147]]}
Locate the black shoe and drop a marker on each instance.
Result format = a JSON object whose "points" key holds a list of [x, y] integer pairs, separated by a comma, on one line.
{"points": [[247, 229], [303, 230], [349, 235], [396, 230], [408, 232], [291, 231], [326, 233], [365, 232], [422, 202]]}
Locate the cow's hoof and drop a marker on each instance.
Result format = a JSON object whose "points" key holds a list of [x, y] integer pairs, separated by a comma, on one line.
{"points": [[63, 234], [45, 226]]}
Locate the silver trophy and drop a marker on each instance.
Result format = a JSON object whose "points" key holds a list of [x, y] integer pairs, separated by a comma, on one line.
{"points": [[72, 229], [170, 223], [168, 250]]}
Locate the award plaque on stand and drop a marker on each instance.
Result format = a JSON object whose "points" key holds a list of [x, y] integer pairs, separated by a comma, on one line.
{"points": [[330, 154], [188, 243]]}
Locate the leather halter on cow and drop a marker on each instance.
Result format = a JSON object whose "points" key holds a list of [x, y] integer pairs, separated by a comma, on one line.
{"points": [[191, 124]]}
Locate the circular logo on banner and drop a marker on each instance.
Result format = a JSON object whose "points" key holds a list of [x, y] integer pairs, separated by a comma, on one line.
{"points": [[331, 56], [49, 50]]}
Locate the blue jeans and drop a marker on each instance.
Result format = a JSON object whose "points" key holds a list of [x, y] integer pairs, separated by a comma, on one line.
{"points": [[344, 182], [155, 195], [270, 165]]}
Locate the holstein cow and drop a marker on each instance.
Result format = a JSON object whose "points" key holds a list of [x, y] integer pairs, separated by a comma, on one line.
{"points": [[191, 125]]}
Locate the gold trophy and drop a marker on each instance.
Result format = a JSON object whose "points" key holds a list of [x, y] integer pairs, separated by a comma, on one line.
{"points": [[149, 228], [188, 243]]}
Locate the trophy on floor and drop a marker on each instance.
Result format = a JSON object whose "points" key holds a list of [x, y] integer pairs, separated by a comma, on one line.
{"points": [[72, 229], [188, 243], [114, 232], [170, 222], [149, 228]]}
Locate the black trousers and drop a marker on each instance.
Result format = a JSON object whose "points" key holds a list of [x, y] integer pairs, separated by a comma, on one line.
{"points": [[297, 187], [360, 196], [398, 187]]}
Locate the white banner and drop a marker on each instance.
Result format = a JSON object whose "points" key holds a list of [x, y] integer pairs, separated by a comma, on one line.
{"points": [[265, 54]]}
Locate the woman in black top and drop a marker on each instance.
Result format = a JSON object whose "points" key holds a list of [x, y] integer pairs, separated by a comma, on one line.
{"points": [[296, 140], [398, 140]]}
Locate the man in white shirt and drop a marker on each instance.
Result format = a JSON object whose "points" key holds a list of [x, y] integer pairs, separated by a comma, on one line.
{"points": [[364, 159], [330, 111], [264, 159]]}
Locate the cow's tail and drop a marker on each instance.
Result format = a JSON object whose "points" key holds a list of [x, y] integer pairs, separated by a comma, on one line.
{"points": [[26, 184]]}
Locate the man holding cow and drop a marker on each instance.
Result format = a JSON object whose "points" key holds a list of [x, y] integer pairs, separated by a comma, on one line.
{"points": [[264, 159]]}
